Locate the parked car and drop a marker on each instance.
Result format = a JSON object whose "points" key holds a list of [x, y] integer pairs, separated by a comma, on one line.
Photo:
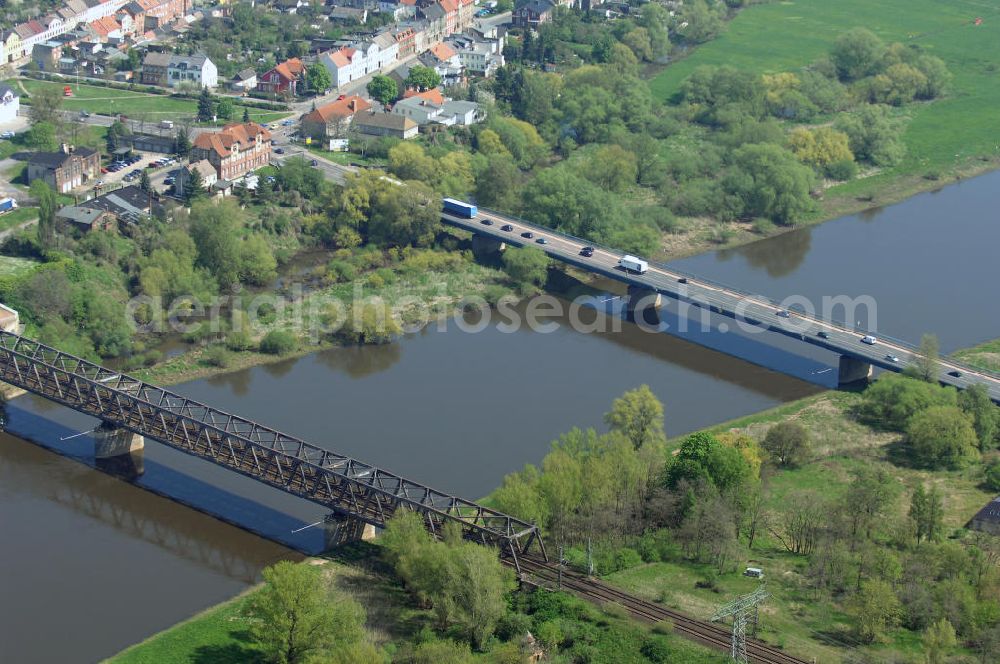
{"points": [[279, 151], [7, 134]]}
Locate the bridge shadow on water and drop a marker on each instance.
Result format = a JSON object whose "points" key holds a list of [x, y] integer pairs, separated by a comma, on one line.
{"points": [[709, 330], [145, 519]]}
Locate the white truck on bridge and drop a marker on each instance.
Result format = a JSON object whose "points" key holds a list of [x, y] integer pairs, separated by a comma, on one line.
{"points": [[633, 264]]}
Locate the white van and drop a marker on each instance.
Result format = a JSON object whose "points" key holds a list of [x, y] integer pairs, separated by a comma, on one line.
{"points": [[167, 124], [633, 264], [754, 572]]}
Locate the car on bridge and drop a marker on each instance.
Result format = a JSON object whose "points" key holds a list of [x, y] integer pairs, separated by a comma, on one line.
{"points": [[782, 313], [892, 358], [507, 227], [955, 373], [542, 240], [869, 339], [823, 334], [527, 234], [587, 252], [486, 222]]}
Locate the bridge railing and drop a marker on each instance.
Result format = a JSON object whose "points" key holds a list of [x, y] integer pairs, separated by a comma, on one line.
{"points": [[341, 483], [696, 279]]}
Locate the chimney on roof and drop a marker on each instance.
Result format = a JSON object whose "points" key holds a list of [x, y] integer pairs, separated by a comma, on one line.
{"points": [[353, 105], [66, 148]]}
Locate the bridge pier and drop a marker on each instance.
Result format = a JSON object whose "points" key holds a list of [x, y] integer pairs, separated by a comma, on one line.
{"points": [[484, 246], [646, 303], [118, 451], [853, 370], [339, 529]]}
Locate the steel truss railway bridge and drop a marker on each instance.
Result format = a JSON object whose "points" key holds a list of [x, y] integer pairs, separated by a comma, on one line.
{"points": [[351, 489]]}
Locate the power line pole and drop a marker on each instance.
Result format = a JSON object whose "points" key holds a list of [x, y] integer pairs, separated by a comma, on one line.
{"points": [[561, 560], [743, 610], [590, 559]]}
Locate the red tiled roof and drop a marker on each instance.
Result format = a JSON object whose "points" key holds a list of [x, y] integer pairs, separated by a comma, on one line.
{"points": [[239, 133], [340, 108], [433, 95], [342, 57], [442, 51], [290, 69], [449, 6]]}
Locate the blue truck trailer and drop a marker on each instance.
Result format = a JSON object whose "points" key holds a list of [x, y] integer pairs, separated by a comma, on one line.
{"points": [[459, 208]]}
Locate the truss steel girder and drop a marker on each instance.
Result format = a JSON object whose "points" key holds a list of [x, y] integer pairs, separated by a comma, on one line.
{"points": [[338, 482]]}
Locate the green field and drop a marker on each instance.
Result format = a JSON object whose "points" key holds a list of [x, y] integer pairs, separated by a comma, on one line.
{"points": [[785, 36], [13, 267], [985, 356], [137, 105]]}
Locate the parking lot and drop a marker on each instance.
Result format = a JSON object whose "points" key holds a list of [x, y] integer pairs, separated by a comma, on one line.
{"points": [[130, 170]]}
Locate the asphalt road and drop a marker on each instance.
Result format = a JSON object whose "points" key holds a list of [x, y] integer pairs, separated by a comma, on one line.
{"points": [[754, 310]]}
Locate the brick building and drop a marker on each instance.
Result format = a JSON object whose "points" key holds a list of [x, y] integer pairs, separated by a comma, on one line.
{"points": [[64, 170], [235, 150]]}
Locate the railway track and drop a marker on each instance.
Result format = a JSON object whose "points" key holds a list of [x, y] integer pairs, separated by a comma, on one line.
{"points": [[545, 574]]}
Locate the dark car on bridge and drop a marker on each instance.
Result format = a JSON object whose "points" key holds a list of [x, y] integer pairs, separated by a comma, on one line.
{"points": [[507, 227], [486, 222], [823, 334], [527, 234], [587, 252], [542, 240]]}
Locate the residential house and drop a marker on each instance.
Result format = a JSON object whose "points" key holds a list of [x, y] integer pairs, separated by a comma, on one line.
{"points": [[349, 15], [46, 55], [244, 81], [385, 124], [160, 13], [987, 519], [129, 204], [432, 107], [332, 120], [10, 103], [86, 219], [285, 77], [12, 49], [478, 56], [345, 65], [533, 14], [235, 150], [406, 40], [196, 69], [66, 169], [208, 174], [289, 6], [154, 68]]}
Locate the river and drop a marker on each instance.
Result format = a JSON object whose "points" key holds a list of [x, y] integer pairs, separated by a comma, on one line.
{"points": [[101, 563]]}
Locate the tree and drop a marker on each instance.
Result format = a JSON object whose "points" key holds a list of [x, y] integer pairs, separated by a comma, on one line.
{"points": [[639, 415], [876, 609], [225, 109], [787, 443], [298, 617], [927, 513], [206, 107], [528, 266], [194, 188], [475, 591], [857, 53], [874, 135], [319, 78], [925, 364], [703, 22], [942, 437], [771, 182], [257, 263], [422, 78], [938, 640], [383, 88], [48, 205], [869, 498], [819, 147], [975, 401], [182, 142], [497, 182], [46, 106], [215, 229], [144, 182], [895, 398], [993, 475], [246, 114], [42, 137], [401, 216]]}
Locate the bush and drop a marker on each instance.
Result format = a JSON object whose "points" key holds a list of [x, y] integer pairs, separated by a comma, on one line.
{"points": [[993, 475], [843, 170], [239, 340], [655, 649], [278, 342], [341, 270], [217, 356]]}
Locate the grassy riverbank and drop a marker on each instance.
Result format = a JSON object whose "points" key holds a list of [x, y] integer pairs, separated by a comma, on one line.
{"points": [[984, 356], [947, 139]]}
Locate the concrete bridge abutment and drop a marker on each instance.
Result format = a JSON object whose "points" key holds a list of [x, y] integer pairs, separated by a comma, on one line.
{"points": [[339, 529], [485, 247], [643, 304], [118, 451], [853, 370]]}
